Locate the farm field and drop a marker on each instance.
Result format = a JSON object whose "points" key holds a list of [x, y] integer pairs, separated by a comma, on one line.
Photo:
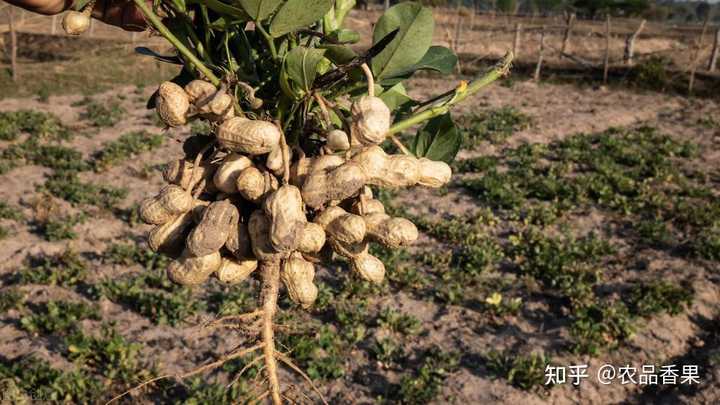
{"points": [[582, 226]]}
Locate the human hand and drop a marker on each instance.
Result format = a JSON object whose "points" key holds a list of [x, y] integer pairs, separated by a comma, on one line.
{"points": [[122, 13]]}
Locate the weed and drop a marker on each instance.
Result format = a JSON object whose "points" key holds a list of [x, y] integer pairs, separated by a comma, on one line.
{"points": [[8, 212], [126, 147], [4, 232], [424, 385], [321, 355], [58, 317], [128, 254], [200, 392], [65, 269], [501, 306], [495, 125], [103, 115], [70, 188], [153, 296], [525, 372], [646, 299], [600, 325], [654, 232], [55, 157], [386, 350], [653, 73], [11, 298], [229, 301], [57, 229], [706, 245], [399, 322], [38, 124], [109, 354], [35, 376]]}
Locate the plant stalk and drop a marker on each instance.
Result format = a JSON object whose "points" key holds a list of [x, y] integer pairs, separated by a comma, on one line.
{"points": [[165, 32], [270, 41], [461, 93]]}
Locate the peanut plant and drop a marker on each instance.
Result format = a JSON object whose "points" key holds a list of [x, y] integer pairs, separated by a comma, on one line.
{"points": [[298, 122]]}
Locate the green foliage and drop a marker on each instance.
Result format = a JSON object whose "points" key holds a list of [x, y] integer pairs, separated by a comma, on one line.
{"points": [[706, 245], [11, 298], [109, 354], [494, 125], [37, 376], [57, 229], [399, 322], [152, 295], [321, 355], [37, 124], [126, 147], [58, 317], [416, 26], [386, 350], [424, 385], [525, 372], [9, 212], [65, 269], [128, 254], [440, 139], [653, 74], [600, 325], [646, 299], [231, 300], [102, 114], [69, 187], [51, 156]]}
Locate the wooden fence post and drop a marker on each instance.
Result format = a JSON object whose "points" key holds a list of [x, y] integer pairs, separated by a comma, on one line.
{"points": [[630, 44], [13, 44], [712, 63], [536, 76], [516, 41], [696, 56], [566, 36], [606, 60]]}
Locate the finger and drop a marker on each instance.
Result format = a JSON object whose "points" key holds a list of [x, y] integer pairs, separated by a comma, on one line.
{"points": [[121, 13]]}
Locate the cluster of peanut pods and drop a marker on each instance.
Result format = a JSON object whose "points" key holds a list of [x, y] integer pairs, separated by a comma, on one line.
{"points": [[249, 199]]}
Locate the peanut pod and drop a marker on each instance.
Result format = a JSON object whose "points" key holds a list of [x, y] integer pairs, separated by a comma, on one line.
{"points": [[252, 137], [371, 120], [297, 275], [225, 178], [336, 183], [284, 207], [391, 232], [214, 228], [169, 238], [233, 271], [172, 104], [341, 225], [193, 270]]}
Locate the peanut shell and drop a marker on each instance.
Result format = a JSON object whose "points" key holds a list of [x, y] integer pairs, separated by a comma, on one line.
{"points": [[233, 271], [371, 120], [434, 173], [225, 178], [172, 104], [312, 239], [252, 137], [284, 207], [297, 274], [218, 220], [368, 267], [169, 238], [193, 270]]}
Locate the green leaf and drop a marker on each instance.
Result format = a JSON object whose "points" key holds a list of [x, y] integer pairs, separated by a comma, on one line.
{"points": [[296, 14], [437, 58], [395, 97], [411, 43], [345, 36], [440, 139], [259, 10], [338, 54], [302, 64]]}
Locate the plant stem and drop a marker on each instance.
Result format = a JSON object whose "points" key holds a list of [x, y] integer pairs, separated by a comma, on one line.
{"points": [[165, 32], [270, 41], [271, 286], [460, 94]]}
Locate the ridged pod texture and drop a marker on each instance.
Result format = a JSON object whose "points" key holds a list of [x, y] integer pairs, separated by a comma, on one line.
{"points": [[275, 162], [233, 271], [152, 212], [369, 207], [225, 178], [219, 105], [342, 226], [238, 242], [434, 173], [175, 200], [193, 270], [312, 239], [169, 238], [372, 160], [180, 173], [338, 183], [252, 137], [371, 120], [368, 267], [75, 23], [297, 275], [254, 185], [299, 171], [259, 230], [390, 232], [338, 140], [218, 220], [172, 104], [199, 90], [284, 207]]}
